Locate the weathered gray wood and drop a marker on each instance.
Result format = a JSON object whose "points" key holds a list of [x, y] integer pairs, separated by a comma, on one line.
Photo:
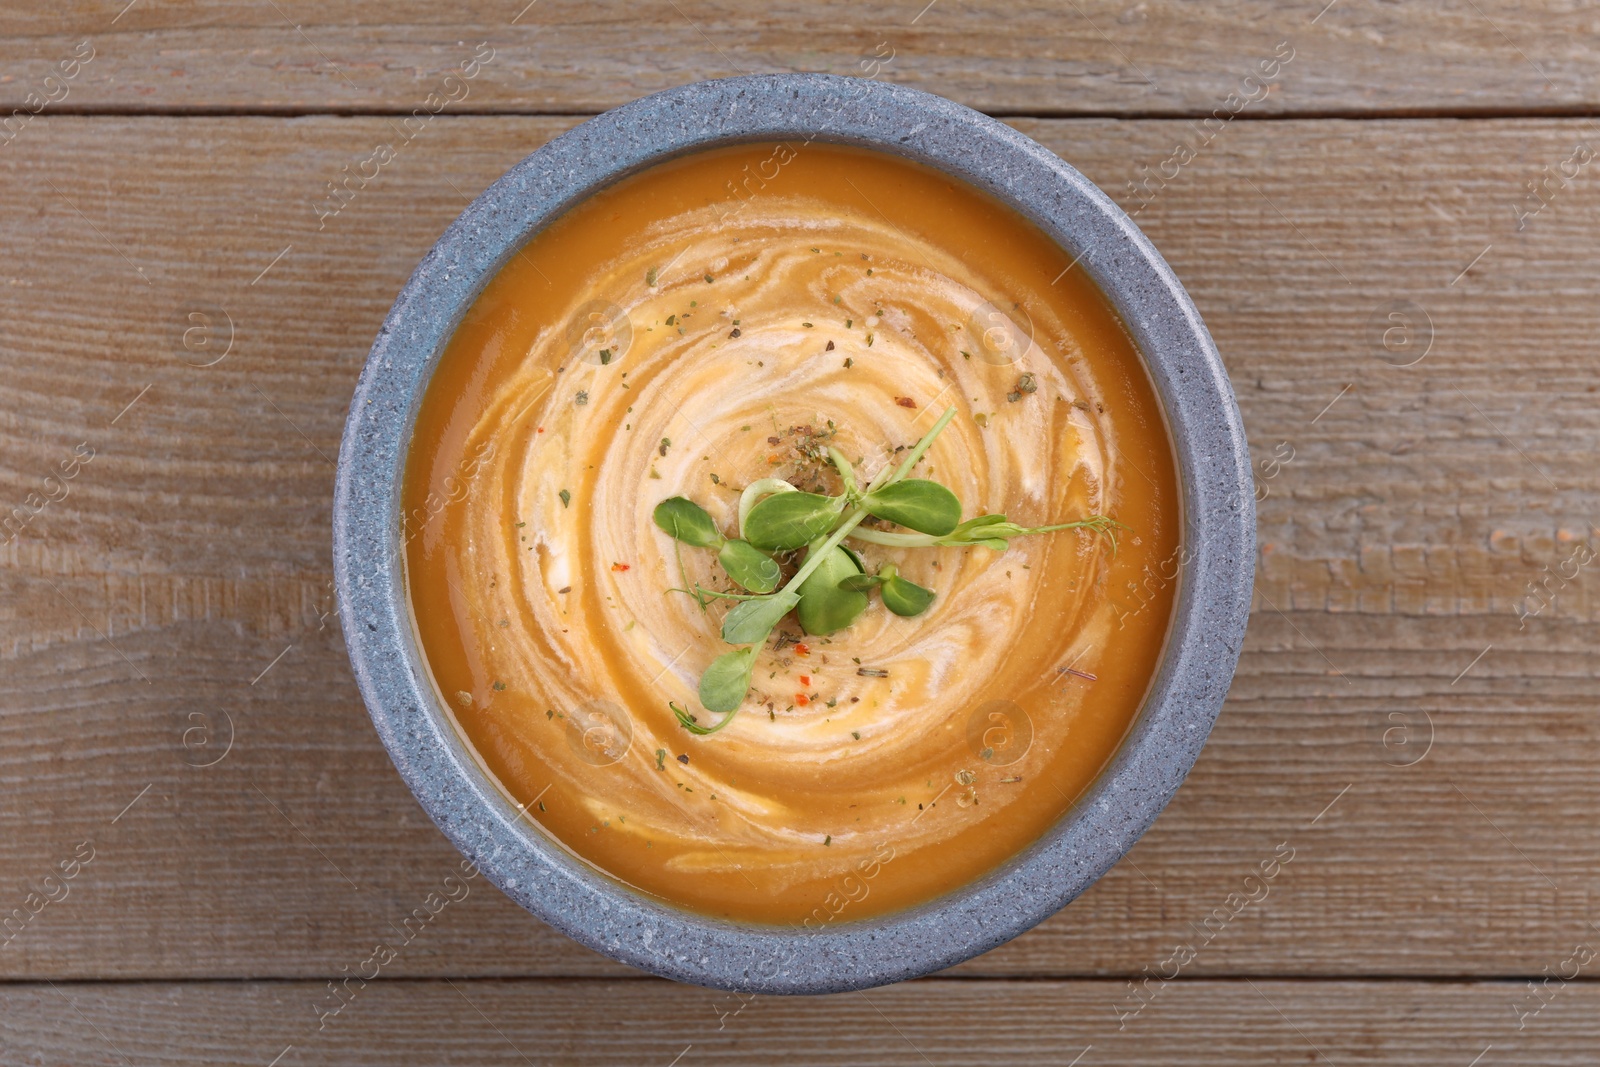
{"points": [[1042, 57], [652, 1023]]}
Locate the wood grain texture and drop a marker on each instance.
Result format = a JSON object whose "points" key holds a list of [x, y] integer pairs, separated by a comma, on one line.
{"points": [[183, 582], [1061, 57], [1223, 1023]]}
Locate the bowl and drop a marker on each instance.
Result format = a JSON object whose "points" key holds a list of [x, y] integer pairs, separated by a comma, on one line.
{"points": [[1211, 605]]}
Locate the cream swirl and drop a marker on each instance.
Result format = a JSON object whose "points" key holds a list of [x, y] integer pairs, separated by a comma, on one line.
{"points": [[680, 370]]}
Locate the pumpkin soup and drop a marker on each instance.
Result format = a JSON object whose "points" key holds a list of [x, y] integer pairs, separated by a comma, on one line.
{"points": [[778, 524]]}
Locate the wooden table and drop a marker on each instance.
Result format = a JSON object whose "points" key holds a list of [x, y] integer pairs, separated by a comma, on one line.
{"points": [[1413, 349]]}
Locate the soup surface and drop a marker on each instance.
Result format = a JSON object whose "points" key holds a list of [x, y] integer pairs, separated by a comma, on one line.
{"points": [[719, 319]]}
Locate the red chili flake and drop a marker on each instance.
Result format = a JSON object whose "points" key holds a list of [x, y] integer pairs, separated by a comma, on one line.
{"points": [[619, 567], [805, 680], [541, 429], [802, 650], [802, 699], [905, 401]]}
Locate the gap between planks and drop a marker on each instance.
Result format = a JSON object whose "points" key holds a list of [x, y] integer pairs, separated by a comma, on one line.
{"points": [[1240, 978], [1470, 114]]}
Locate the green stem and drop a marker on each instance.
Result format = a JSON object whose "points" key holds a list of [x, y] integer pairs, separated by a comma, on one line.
{"points": [[922, 445], [702, 591], [683, 572], [895, 540], [815, 556], [1094, 521], [1104, 525], [1097, 523], [882, 478], [847, 473]]}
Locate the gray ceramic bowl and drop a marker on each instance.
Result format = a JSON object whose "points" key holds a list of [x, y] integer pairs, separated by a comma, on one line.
{"points": [[1213, 597]]}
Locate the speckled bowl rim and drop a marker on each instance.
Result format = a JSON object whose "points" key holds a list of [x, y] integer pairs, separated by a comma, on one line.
{"points": [[1202, 647]]}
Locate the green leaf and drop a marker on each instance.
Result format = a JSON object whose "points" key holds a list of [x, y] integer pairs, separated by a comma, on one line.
{"points": [[788, 521], [750, 622], [824, 605], [724, 684], [688, 522], [755, 491], [904, 597], [750, 567], [860, 583], [916, 504]]}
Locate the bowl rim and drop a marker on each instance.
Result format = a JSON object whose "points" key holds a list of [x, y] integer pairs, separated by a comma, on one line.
{"points": [[1215, 563]]}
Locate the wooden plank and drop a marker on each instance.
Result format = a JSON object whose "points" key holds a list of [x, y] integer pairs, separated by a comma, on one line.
{"points": [[649, 1022], [1042, 57], [183, 582]]}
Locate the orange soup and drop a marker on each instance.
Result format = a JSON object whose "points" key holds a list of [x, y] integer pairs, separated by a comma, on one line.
{"points": [[723, 318]]}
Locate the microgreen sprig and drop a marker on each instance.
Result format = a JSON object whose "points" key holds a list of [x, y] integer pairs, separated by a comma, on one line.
{"points": [[990, 531], [831, 588], [690, 523]]}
